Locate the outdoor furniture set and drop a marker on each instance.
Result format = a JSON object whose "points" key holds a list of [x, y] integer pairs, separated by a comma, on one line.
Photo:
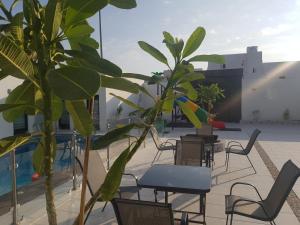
{"points": [[189, 176]]}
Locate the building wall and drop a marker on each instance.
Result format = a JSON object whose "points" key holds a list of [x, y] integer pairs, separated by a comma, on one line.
{"points": [[268, 89], [6, 129]]}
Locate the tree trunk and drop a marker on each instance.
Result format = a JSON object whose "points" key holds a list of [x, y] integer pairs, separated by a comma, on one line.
{"points": [[48, 157], [85, 169]]}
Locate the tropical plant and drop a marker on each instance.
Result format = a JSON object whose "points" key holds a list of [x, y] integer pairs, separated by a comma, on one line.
{"points": [[208, 95], [176, 85], [50, 49]]}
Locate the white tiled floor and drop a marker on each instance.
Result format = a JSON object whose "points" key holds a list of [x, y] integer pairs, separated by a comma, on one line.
{"points": [[281, 142]]}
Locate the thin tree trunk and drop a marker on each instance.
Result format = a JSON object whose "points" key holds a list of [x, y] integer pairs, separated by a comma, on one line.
{"points": [[85, 168], [49, 151]]}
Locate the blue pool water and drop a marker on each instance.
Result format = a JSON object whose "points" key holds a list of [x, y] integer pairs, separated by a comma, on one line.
{"points": [[24, 164]]}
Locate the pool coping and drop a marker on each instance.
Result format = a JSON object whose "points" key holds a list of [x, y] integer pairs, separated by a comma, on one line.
{"points": [[33, 190]]}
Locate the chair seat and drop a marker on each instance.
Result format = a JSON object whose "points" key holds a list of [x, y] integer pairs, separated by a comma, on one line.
{"points": [[235, 151], [247, 209]]}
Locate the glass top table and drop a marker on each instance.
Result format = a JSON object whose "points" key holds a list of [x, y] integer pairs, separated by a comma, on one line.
{"points": [[180, 179]]}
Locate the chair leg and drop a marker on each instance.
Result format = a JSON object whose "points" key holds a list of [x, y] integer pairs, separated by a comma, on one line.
{"points": [[231, 219], [272, 222], [227, 161], [155, 157], [87, 216], [139, 195], [227, 219], [251, 164], [104, 207], [159, 156]]}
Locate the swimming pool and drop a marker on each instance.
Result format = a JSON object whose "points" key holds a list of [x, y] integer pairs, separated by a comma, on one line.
{"points": [[25, 169]]}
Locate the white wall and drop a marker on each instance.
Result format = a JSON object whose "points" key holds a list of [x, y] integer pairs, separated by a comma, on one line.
{"points": [[270, 94], [6, 129]]}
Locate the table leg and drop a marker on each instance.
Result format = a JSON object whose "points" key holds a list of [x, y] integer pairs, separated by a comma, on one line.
{"points": [[203, 206]]}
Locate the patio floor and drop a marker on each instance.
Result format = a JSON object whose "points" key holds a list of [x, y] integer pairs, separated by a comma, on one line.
{"points": [[279, 141]]}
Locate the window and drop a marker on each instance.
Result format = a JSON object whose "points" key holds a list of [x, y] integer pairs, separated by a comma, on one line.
{"points": [[254, 70], [224, 66], [20, 125]]}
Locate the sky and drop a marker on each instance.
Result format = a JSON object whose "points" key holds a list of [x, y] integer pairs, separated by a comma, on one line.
{"points": [[231, 26]]}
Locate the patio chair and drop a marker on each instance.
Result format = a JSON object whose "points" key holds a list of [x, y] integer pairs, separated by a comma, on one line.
{"points": [[190, 151], [96, 176], [161, 145], [235, 147], [264, 209], [133, 212]]}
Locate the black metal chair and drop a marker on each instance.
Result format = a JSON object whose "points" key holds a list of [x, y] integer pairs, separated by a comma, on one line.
{"points": [[235, 147], [190, 151], [96, 176], [264, 209], [133, 212], [161, 145]]}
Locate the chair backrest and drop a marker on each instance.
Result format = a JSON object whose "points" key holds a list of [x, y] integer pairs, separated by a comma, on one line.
{"points": [[134, 212], [191, 151], [252, 140], [281, 188], [206, 129], [96, 170], [155, 137]]}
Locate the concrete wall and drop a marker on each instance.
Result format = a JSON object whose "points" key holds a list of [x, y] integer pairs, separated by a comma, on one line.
{"points": [[268, 89], [272, 93]]}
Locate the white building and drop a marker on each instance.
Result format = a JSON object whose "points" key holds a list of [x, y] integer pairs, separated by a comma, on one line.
{"points": [[269, 90], [269, 93]]}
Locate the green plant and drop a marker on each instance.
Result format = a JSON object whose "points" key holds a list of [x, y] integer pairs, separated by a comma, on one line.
{"points": [[208, 95], [178, 84], [33, 48]]}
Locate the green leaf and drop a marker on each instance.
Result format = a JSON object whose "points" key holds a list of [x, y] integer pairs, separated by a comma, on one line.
{"points": [[136, 76], [10, 143], [81, 117], [89, 57], [79, 31], [22, 94], [38, 158], [123, 4], [13, 5], [194, 42], [169, 101], [127, 102], [74, 83], [113, 178], [38, 155], [112, 136], [57, 108], [189, 114], [119, 83], [5, 11], [153, 52], [13, 60], [53, 14], [16, 27], [191, 92], [219, 59], [192, 77], [91, 42], [168, 37], [5, 107], [80, 10]]}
